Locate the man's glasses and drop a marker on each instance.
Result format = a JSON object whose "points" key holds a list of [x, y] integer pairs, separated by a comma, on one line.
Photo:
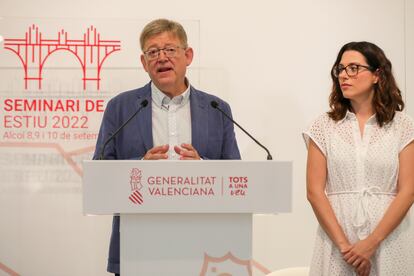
{"points": [[169, 51], [351, 70]]}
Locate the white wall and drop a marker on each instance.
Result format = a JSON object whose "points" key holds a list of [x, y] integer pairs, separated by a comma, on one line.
{"points": [[409, 60], [271, 61]]}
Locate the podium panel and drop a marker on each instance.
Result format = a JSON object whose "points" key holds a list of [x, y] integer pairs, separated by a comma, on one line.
{"points": [[184, 247], [209, 186], [186, 217]]}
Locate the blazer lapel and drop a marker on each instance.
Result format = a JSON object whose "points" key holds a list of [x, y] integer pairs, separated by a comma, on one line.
{"points": [[145, 118], [199, 121]]}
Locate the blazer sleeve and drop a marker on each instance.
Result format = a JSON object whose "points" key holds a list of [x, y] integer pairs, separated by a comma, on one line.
{"points": [[105, 131], [230, 150], [128, 144]]}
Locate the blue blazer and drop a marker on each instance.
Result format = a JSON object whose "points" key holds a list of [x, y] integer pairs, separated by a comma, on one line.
{"points": [[212, 135]]}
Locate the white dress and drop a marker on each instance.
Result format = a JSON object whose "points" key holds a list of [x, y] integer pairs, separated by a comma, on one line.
{"points": [[361, 183]]}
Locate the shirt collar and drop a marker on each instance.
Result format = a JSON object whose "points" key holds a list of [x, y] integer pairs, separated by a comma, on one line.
{"points": [[351, 116], [160, 99], [348, 116]]}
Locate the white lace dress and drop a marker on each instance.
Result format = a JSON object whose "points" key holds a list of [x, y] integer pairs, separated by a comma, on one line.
{"points": [[361, 183]]}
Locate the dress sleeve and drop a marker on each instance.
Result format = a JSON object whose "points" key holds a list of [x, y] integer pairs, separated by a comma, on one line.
{"points": [[317, 132], [407, 131]]}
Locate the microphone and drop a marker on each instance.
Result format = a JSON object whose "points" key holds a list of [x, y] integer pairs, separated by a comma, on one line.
{"points": [[143, 104], [215, 105]]}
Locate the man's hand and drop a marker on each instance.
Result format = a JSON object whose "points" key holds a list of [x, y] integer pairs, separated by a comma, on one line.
{"points": [[187, 152], [157, 153]]}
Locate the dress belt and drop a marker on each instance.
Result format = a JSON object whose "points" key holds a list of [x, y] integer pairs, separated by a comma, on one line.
{"points": [[361, 218]]}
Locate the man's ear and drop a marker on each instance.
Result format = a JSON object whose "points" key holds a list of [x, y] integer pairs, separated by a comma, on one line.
{"points": [[144, 63], [189, 54]]}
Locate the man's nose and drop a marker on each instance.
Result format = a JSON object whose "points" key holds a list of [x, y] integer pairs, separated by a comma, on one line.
{"points": [[162, 55]]}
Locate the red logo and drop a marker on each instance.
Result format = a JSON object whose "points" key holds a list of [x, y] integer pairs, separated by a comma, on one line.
{"points": [[135, 183], [238, 186], [136, 197], [227, 265], [34, 49]]}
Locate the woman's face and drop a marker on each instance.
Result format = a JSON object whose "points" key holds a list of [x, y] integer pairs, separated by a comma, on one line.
{"points": [[356, 80]]}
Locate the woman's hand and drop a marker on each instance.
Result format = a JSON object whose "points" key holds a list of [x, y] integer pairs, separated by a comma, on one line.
{"points": [[359, 255]]}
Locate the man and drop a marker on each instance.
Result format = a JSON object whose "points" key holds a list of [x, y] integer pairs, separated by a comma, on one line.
{"points": [[178, 123]]}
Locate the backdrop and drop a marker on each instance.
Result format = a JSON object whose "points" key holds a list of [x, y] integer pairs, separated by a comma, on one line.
{"points": [[60, 62]]}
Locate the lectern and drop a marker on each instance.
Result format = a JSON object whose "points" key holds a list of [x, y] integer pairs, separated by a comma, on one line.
{"points": [[186, 217]]}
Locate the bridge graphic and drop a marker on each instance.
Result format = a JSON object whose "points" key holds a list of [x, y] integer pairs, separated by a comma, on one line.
{"points": [[33, 50]]}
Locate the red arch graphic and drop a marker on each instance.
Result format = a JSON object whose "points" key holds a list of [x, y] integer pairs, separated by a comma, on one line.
{"points": [[33, 50], [56, 50]]}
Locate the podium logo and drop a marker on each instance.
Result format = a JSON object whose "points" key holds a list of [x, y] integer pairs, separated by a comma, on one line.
{"points": [[135, 183], [227, 265], [238, 186]]}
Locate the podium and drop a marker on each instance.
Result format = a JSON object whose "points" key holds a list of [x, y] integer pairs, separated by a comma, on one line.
{"points": [[186, 217]]}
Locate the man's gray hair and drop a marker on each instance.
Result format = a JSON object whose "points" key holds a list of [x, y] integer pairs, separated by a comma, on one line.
{"points": [[160, 26]]}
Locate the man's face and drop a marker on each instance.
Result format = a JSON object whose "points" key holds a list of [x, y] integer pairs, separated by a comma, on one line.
{"points": [[167, 72]]}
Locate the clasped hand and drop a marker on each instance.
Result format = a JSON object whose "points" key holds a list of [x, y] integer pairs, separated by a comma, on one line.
{"points": [[359, 254], [186, 152]]}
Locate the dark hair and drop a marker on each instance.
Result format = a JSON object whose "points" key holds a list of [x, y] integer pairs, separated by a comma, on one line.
{"points": [[387, 96]]}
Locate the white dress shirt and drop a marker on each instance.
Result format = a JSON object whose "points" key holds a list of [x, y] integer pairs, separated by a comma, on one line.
{"points": [[171, 119]]}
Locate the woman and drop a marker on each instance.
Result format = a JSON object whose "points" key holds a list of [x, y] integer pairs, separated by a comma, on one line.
{"points": [[360, 175]]}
